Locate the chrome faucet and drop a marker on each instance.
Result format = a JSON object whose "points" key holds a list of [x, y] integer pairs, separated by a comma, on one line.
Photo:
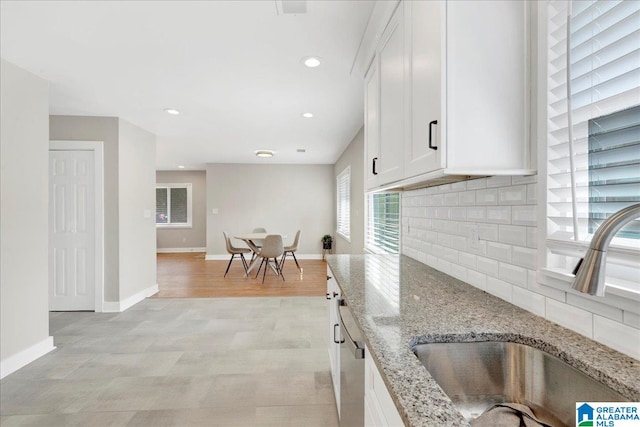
{"points": [[590, 269]]}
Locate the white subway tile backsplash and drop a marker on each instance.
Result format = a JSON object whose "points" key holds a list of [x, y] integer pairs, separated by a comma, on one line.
{"points": [[488, 232], [487, 197], [476, 183], [459, 243], [532, 193], [500, 289], [499, 251], [467, 198], [476, 279], [476, 213], [436, 228], [524, 257], [532, 237], [513, 274], [451, 199], [514, 195], [570, 317], [498, 181], [488, 266], [499, 214], [512, 234], [457, 214], [524, 215], [617, 335], [525, 179], [467, 260], [530, 301], [594, 306]]}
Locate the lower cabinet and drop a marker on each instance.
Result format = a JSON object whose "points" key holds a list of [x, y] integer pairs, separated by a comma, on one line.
{"points": [[379, 409], [333, 294]]}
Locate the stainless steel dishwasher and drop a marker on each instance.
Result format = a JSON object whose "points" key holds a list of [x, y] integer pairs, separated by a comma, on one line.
{"points": [[351, 369]]}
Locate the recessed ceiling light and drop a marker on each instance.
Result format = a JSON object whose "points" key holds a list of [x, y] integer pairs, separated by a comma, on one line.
{"points": [[311, 61], [172, 111], [265, 153], [180, 166], [307, 115]]}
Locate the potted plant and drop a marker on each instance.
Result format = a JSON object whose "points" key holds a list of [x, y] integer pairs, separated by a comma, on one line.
{"points": [[327, 241]]}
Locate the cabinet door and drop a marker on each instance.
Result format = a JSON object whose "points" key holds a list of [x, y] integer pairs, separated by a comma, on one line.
{"points": [[333, 294], [390, 54], [423, 22], [372, 125]]}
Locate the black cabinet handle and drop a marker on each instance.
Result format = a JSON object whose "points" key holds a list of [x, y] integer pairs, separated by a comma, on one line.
{"points": [[375, 159], [328, 295], [335, 294], [329, 277], [334, 335], [433, 147]]}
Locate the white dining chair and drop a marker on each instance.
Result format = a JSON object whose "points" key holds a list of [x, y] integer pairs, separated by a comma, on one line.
{"points": [[272, 248], [235, 251], [291, 249]]}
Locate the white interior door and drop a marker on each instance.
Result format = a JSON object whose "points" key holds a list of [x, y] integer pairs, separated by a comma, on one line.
{"points": [[72, 236]]}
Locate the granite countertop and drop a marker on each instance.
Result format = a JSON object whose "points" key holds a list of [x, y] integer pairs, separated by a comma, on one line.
{"points": [[400, 302]]}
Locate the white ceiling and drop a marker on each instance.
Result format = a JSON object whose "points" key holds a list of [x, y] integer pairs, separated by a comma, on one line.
{"points": [[233, 69]]}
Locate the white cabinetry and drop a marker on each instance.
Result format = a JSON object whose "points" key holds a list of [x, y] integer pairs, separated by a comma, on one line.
{"points": [[384, 91], [379, 409], [461, 105], [333, 294]]}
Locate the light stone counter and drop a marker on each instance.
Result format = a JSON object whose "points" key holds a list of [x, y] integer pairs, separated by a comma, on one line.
{"points": [[400, 302]]}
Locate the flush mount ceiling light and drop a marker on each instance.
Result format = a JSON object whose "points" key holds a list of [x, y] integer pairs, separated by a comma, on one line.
{"points": [[172, 111], [307, 115], [311, 61], [265, 153], [180, 166], [301, 150]]}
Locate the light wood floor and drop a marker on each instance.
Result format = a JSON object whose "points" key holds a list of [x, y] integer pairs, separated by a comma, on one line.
{"points": [[189, 275]]}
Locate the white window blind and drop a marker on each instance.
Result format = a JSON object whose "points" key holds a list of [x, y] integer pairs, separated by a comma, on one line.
{"points": [[343, 191], [601, 44], [382, 234], [173, 205]]}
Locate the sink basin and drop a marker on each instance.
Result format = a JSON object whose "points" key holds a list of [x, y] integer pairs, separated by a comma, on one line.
{"points": [[477, 375]]}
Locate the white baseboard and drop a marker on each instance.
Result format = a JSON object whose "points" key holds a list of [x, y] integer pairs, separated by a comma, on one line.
{"points": [[179, 250], [119, 306], [26, 356], [226, 257]]}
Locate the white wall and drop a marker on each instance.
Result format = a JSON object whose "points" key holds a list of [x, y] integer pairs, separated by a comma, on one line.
{"points": [[435, 230], [105, 129], [280, 198], [24, 213], [353, 156], [129, 190], [196, 236], [137, 196]]}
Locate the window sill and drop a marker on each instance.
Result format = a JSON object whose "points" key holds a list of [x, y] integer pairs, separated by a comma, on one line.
{"points": [[345, 237], [168, 226], [610, 288]]}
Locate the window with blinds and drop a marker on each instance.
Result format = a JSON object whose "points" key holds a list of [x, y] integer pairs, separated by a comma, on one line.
{"points": [[593, 132], [173, 205], [343, 203], [382, 234]]}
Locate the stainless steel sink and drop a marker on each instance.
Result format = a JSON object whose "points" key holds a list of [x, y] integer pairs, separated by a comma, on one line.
{"points": [[476, 375]]}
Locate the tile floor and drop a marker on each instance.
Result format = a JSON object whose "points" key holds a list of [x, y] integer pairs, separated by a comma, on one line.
{"points": [[180, 362]]}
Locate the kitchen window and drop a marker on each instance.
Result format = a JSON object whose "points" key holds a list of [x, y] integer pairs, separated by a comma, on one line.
{"points": [[173, 206], [593, 131], [343, 191], [382, 234]]}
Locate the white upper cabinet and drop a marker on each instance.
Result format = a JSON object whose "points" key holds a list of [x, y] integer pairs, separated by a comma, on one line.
{"points": [[422, 147], [385, 163], [453, 100]]}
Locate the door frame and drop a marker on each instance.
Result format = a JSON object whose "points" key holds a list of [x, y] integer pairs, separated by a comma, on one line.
{"points": [[98, 157]]}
